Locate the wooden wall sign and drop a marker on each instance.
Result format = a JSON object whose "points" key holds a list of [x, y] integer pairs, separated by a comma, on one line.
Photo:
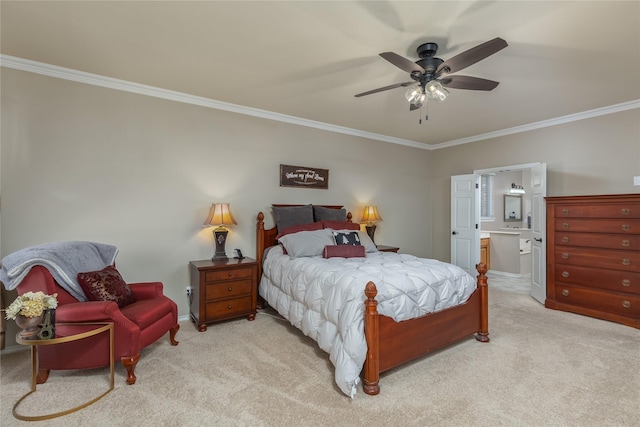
{"points": [[304, 177]]}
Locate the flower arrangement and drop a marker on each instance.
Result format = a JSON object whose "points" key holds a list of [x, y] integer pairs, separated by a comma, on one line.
{"points": [[31, 304]]}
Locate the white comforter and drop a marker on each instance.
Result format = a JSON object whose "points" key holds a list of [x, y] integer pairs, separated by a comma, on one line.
{"points": [[324, 298]]}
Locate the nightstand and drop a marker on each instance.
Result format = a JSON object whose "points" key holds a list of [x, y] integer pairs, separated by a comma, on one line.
{"points": [[222, 290], [385, 248]]}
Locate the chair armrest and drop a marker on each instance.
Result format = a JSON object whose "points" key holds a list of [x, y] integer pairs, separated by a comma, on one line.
{"points": [[147, 290], [93, 311]]}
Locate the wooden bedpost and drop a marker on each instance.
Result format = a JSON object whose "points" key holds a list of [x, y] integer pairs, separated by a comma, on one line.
{"points": [[483, 334], [260, 253], [370, 382]]}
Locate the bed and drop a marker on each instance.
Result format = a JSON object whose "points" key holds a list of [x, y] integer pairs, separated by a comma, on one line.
{"points": [[388, 343]]}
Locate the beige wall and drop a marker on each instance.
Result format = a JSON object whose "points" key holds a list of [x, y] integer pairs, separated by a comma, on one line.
{"points": [[81, 162], [600, 155]]}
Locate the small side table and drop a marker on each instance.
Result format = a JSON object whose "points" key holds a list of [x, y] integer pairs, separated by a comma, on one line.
{"points": [[101, 327], [385, 248]]}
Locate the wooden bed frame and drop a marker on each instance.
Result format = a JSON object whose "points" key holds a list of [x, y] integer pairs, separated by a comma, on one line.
{"points": [[390, 343]]}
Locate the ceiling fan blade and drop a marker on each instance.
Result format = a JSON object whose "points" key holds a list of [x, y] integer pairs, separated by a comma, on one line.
{"points": [[380, 89], [402, 62], [471, 56], [467, 82]]}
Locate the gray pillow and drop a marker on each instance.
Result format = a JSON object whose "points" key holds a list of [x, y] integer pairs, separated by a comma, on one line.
{"points": [[286, 216], [307, 243], [320, 213]]}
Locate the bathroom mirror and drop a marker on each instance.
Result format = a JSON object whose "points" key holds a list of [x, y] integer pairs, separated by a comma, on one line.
{"points": [[512, 208]]}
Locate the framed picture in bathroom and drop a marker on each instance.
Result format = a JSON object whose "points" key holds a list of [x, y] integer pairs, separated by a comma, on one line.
{"points": [[512, 208]]}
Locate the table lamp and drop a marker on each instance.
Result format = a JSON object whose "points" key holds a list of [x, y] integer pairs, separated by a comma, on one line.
{"points": [[370, 217], [220, 216]]}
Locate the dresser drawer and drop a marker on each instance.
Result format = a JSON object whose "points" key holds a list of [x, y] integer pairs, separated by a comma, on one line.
{"points": [[228, 274], [614, 210], [605, 301], [622, 226], [599, 258], [228, 289], [596, 240], [618, 281], [228, 308]]}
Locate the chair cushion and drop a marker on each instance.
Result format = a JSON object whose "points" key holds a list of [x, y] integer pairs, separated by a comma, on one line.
{"points": [[146, 312], [106, 285]]}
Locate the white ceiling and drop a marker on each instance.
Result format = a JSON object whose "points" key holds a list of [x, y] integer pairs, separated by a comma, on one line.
{"points": [[308, 59]]}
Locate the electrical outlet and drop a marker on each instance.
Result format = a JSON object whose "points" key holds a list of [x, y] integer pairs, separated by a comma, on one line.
{"points": [[189, 290], [636, 180]]}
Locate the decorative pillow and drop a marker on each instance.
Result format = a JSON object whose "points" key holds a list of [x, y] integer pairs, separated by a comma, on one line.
{"points": [[286, 216], [344, 251], [313, 226], [346, 238], [366, 241], [320, 213], [106, 285], [306, 243], [341, 225]]}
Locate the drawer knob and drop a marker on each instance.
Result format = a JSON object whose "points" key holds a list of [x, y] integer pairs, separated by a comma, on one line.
{"points": [[626, 283], [626, 261], [229, 288], [565, 255], [565, 274], [565, 211], [626, 304], [565, 292], [565, 225], [625, 211], [626, 243], [230, 274], [229, 306], [565, 239], [626, 227]]}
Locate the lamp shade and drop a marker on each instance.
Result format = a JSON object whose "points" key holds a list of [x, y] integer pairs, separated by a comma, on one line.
{"points": [[219, 215], [370, 215]]}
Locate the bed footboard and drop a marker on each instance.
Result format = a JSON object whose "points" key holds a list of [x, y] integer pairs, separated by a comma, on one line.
{"points": [[391, 344]]}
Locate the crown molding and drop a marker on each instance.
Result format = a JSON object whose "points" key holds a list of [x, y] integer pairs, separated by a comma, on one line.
{"points": [[141, 89]]}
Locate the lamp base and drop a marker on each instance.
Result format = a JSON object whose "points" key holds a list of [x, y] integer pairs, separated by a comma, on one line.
{"points": [[371, 229], [220, 238]]}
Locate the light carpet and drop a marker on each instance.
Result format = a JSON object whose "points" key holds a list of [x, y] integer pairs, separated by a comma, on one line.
{"points": [[541, 368]]}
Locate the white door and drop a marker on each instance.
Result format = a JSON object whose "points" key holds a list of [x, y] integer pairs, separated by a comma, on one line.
{"points": [[538, 228], [465, 222]]}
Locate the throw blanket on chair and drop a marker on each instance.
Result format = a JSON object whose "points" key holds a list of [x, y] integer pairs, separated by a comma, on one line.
{"points": [[63, 259]]}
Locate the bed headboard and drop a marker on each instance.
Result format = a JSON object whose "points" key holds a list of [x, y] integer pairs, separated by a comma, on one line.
{"points": [[267, 237]]}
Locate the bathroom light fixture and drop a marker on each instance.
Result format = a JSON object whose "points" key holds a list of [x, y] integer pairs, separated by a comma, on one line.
{"points": [[220, 215], [516, 189]]}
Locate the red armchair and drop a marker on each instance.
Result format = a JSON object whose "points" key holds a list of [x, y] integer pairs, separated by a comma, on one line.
{"points": [[136, 325]]}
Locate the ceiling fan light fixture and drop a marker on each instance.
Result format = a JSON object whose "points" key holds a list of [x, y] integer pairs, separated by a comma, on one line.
{"points": [[414, 93], [436, 91]]}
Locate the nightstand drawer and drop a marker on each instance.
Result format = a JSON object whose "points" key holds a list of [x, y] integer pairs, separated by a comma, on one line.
{"points": [[228, 289], [228, 274], [609, 302], [228, 308]]}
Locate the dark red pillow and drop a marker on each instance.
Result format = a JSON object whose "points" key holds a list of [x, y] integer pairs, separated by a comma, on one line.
{"points": [[340, 225], [344, 251], [311, 226], [106, 285]]}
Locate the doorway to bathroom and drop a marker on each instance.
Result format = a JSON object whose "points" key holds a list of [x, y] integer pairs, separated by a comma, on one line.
{"points": [[510, 231]]}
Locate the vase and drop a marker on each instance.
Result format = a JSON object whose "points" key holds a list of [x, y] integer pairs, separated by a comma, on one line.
{"points": [[48, 329], [30, 326]]}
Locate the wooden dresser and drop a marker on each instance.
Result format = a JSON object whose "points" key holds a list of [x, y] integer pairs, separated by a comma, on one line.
{"points": [[593, 256]]}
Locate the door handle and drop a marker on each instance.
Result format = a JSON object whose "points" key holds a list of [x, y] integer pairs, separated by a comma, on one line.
{"points": [[538, 240], [454, 233]]}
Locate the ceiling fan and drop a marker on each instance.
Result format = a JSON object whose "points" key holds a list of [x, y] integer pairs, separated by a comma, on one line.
{"points": [[430, 75]]}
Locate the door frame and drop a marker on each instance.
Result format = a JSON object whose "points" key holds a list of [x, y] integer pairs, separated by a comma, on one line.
{"points": [[541, 268]]}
